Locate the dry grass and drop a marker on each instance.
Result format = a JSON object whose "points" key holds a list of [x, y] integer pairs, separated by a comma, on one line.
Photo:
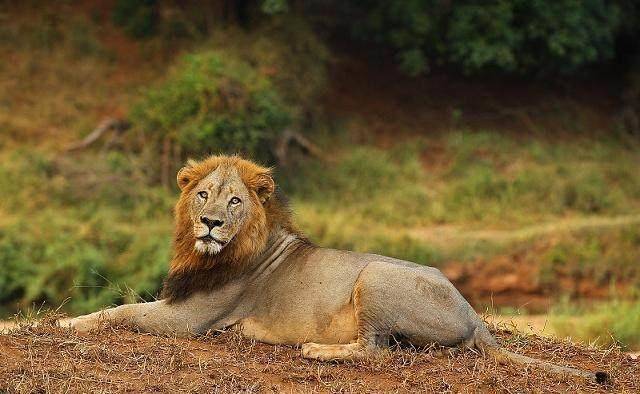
{"points": [[50, 359]]}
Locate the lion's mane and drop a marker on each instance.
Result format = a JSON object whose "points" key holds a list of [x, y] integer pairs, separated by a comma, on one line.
{"points": [[191, 271]]}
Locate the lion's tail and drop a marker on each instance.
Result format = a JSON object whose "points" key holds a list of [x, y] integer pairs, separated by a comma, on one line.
{"points": [[485, 342]]}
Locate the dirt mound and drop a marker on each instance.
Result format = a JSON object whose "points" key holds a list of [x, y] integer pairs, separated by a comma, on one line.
{"points": [[50, 359]]}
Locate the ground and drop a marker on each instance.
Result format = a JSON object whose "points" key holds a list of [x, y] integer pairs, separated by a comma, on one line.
{"points": [[50, 359]]}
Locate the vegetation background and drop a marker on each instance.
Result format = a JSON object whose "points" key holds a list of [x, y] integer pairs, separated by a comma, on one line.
{"points": [[498, 141]]}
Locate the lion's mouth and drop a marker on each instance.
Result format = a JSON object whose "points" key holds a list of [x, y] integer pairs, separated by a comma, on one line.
{"points": [[210, 239]]}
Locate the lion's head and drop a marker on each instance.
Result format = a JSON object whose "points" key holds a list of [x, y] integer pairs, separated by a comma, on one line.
{"points": [[221, 214], [225, 217]]}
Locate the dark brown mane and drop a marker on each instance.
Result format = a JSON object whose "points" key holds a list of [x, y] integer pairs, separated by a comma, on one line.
{"points": [[191, 271]]}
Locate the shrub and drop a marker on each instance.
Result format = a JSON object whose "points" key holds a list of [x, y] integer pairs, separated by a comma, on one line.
{"points": [[213, 101], [94, 262], [66, 231], [504, 35]]}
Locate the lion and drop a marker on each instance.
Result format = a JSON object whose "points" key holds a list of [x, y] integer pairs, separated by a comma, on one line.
{"points": [[240, 263]]}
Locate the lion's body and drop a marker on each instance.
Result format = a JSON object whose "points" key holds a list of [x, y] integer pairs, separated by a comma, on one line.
{"points": [[265, 279], [325, 296], [333, 297]]}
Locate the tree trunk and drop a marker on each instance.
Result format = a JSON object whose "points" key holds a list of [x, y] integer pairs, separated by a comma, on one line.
{"points": [[165, 163]]}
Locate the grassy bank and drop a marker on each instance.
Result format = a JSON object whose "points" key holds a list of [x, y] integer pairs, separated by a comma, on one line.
{"points": [[393, 202], [83, 227]]}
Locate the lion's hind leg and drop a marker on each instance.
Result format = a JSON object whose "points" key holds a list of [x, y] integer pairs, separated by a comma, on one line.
{"points": [[365, 347], [416, 306], [370, 341]]}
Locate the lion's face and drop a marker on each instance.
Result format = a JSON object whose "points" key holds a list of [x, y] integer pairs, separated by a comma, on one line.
{"points": [[220, 204], [221, 211]]}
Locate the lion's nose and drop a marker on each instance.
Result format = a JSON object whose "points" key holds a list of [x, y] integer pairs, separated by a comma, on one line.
{"points": [[211, 223]]}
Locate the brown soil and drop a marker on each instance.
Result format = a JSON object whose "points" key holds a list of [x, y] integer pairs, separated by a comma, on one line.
{"points": [[50, 359], [501, 282]]}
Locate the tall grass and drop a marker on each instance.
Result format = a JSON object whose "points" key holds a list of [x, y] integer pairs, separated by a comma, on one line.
{"points": [[496, 178]]}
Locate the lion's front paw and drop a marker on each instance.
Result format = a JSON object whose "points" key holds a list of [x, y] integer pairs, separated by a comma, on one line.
{"points": [[80, 324], [311, 350], [323, 352]]}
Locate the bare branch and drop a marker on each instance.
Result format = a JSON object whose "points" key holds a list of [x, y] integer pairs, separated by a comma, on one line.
{"points": [[288, 137], [106, 125]]}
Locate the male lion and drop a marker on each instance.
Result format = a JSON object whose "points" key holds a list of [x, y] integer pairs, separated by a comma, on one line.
{"points": [[240, 263]]}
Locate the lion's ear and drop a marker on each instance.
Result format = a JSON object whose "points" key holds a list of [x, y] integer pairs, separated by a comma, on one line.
{"points": [[184, 177], [264, 186]]}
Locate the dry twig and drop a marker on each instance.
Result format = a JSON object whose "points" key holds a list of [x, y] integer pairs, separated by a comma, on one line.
{"points": [[289, 137], [108, 124]]}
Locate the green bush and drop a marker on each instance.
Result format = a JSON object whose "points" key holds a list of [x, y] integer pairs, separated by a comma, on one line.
{"points": [[504, 35], [82, 227], [213, 102], [58, 257]]}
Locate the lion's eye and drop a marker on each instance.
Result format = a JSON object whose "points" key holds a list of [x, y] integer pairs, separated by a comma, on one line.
{"points": [[234, 201], [203, 195]]}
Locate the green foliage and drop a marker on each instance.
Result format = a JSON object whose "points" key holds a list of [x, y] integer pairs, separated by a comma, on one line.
{"points": [[386, 186], [67, 231], [612, 322], [272, 7], [213, 102], [238, 95], [413, 62], [493, 177], [605, 256], [508, 36], [56, 256], [482, 35], [505, 35], [139, 18]]}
